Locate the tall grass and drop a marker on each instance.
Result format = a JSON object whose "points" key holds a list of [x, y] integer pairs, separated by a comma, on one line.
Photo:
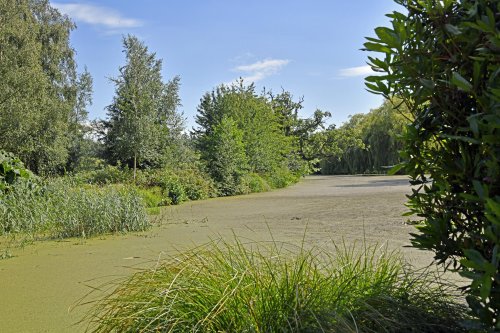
{"points": [[59, 209], [274, 288]]}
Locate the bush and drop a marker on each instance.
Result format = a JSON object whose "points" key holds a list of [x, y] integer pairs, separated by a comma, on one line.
{"points": [[13, 171], [179, 185], [255, 183], [174, 190], [197, 184], [60, 210], [105, 174], [152, 197], [281, 177], [442, 58], [252, 288]]}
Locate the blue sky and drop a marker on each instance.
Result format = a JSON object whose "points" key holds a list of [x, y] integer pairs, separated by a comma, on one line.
{"points": [[310, 48]]}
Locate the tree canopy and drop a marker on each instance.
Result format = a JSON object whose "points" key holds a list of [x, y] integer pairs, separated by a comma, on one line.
{"points": [[143, 113], [39, 86]]}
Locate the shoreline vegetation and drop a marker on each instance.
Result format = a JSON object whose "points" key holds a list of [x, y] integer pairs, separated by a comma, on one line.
{"points": [[231, 286], [102, 201]]}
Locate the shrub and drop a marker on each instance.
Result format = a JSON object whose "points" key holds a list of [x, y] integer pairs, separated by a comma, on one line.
{"points": [[256, 288], [12, 171], [179, 185], [152, 197], [174, 190], [281, 177], [255, 183], [197, 184], [105, 174], [442, 58]]}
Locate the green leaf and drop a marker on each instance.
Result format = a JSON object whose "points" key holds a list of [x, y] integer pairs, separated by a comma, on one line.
{"points": [[458, 81], [372, 78], [493, 206], [395, 169], [429, 84], [375, 47], [475, 256], [474, 126], [388, 36], [478, 187], [379, 63], [461, 138], [485, 290], [372, 87], [453, 29]]}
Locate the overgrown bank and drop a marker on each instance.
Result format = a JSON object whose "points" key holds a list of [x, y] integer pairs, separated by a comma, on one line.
{"points": [[103, 200]]}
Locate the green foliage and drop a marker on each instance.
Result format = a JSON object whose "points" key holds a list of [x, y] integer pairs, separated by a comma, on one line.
{"points": [[104, 174], [226, 158], [152, 197], [239, 287], [367, 143], [242, 133], [197, 185], [263, 142], [281, 177], [60, 210], [142, 117], [255, 183], [12, 171], [38, 89], [174, 190], [79, 144], [188, 183], [442, 58]]}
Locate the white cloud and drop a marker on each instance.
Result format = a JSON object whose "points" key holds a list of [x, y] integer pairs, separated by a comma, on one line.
{"points": [[261, 69], [356, 71], [97, 15]]}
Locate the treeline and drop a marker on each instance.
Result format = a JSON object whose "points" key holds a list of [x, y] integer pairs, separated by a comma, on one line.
{"points": [[244, 141], [366, 143]]}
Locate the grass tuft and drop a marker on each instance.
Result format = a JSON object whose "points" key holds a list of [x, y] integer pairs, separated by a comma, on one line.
{"points": [[273, 287]]}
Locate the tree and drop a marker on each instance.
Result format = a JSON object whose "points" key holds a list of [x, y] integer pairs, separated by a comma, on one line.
{"points": [[442, 59], [265, 145], [304, 144], [78, 122], [286, 110], [366, 142], [143, 112], [37, 89], [226, 159]]}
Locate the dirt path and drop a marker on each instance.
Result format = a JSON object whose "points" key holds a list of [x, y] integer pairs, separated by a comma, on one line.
{"points": [[41, 283]]}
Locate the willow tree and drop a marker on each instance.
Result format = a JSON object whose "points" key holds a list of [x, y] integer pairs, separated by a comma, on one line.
{"points": [[141, 113]]}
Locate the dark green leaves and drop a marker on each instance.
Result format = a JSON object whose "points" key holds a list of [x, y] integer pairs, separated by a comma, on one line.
{"points": [[460, 82], [441, 58]]}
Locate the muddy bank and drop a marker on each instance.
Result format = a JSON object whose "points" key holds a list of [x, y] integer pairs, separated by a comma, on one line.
{"points": [[43, 281]]}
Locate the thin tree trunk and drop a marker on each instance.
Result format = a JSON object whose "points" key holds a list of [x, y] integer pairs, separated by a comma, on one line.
{"points": [[135, 166]]}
